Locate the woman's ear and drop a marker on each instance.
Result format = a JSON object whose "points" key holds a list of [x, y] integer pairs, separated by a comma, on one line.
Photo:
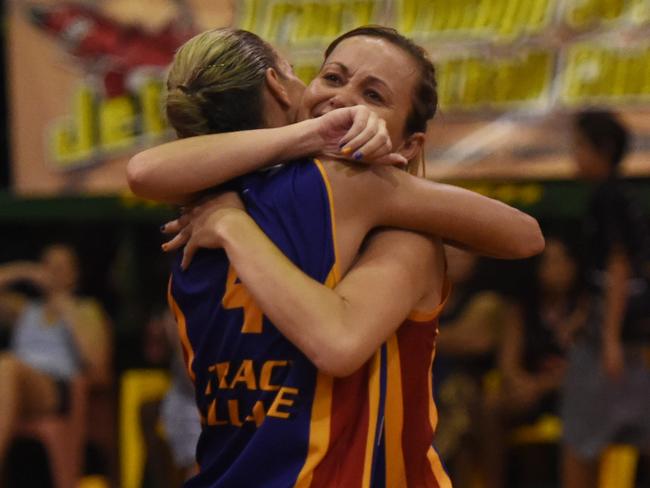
{"points": [[276, 88], [412, 145]]}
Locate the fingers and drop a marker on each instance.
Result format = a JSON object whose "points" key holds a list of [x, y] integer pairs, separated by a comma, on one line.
{"points": [[378, 144], [177, 241], [373, 144], [171, 227], [176, 225], [188, 254], [361, 116], [368, 132]]}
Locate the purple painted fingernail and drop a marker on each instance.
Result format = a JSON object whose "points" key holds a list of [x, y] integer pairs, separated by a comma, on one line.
{"points": [[357, 155], [162, 228]]}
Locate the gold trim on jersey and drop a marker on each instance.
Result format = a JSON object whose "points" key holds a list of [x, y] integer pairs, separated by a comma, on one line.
{"points": [[182, 331]]}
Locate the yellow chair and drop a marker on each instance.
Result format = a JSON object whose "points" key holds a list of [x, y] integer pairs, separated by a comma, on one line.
{"points": [[546, 430], [94, 481], [618, 463], [136, 387], [618, 466]]}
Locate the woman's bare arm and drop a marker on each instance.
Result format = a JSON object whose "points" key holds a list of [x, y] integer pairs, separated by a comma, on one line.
{"points": [[337, 329], [386, 196], [177, 171]]}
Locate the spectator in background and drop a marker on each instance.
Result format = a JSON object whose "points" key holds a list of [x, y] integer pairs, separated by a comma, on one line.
{"points": [[532, 355], [54, 339], [470, 330], [606, 390], [171, 460]]}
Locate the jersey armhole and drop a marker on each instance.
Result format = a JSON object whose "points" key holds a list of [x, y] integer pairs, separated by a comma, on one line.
{"points": [[429, 315], [335, 273]]}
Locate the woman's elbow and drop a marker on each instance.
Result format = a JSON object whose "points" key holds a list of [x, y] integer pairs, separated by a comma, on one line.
{"points": [[137, 174], [338, 359]]}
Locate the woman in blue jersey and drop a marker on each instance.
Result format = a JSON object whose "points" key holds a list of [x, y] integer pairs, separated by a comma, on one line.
{"points": [[354, 330]]}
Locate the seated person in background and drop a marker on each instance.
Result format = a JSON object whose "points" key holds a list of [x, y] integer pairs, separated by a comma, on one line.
{"points": [[54, 340], [171, 457], [531, 357], [470, 331]]}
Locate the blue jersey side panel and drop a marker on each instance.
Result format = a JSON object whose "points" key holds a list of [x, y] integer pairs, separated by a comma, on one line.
{"points": [[254, 390]]}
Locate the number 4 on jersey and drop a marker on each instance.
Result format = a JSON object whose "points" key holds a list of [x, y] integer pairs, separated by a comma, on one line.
{"points": [[237, 296]]}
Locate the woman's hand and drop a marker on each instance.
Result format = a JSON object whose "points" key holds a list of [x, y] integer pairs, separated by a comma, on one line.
{"points": [[358, 134], [198, 226]]}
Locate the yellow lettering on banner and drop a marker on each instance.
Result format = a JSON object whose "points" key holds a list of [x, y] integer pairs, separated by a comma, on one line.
{"points": [[319, 22], [280, 401], [406, 16], [237, 296], [303, 29], [258, 414], [581, 15], [248, 14], [245, 374], [364, 12], [100, 125], [73, 140], [605, 74], [334, 24], [117, 118], [153, 121], [277, 22], [305, 23], [493, 19], [267, 373], [476, 82]]}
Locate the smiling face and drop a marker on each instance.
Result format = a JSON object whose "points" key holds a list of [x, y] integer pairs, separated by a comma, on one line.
{"points": [[368, 71]]}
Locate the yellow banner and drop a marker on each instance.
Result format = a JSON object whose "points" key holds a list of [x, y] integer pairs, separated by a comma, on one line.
{"points": [[605, 74]]}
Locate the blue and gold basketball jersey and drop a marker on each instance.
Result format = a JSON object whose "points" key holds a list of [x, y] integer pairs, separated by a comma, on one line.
{"points": [[256, 392]]}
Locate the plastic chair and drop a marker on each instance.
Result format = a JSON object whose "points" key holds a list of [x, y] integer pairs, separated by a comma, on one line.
{"points": [[618, 463], [136, 387], [618, 466], [547, 429], [62, 437]]}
